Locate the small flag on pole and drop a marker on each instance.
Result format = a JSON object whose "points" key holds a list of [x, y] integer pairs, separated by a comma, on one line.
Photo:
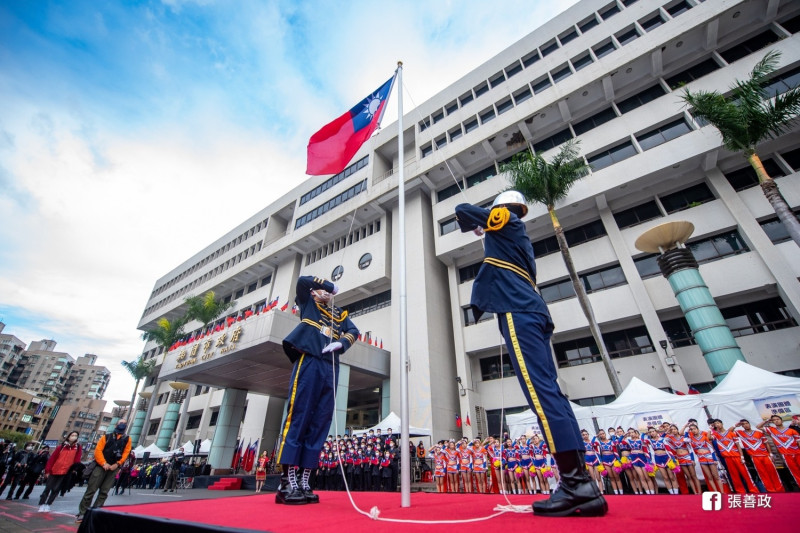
{"points": [[458, 420], [332, 147]]}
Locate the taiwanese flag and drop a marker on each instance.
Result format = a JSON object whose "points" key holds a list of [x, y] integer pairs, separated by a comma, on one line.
{"points": [[236, 453], [332, 147], [467, 421], [285, 306], [458, 420]]}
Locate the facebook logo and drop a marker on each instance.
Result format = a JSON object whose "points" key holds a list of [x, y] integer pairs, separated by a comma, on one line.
{"points": [[712, 501]]}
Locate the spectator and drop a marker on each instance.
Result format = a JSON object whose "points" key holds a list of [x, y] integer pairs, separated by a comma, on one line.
{"points": [[16, 469], [58, 469], [111, 452]]}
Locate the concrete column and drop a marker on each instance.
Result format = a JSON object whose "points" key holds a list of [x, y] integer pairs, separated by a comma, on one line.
{"points": [[339, 421], [168, 424], [137, 425], [469, 397], [674, 373], [386, 390], [272, 423], [227, 430]]}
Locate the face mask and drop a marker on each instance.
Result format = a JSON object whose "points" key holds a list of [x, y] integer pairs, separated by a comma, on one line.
{"points": [[73, 438], [28, 448], [120, 428]]}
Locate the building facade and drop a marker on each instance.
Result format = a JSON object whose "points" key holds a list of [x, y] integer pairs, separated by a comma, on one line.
{"points": [[24, 412], [86, 379], [606, 73]]}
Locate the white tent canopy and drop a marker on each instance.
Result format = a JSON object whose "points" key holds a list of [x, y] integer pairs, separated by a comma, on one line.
{"points": [[520, 423], [733, 399], [155, 452], [640, 399], [138, 451], [393, 421]]}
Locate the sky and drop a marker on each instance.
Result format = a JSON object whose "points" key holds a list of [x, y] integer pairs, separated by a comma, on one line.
{"points": [[133, 134]]}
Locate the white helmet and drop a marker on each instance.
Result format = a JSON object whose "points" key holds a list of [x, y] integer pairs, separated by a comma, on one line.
{"points": [[511, 199]]}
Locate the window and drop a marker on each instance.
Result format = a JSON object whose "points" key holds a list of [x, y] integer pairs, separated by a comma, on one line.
{"points": [[665, 133], [560, 290], [641, 98], [549, 48], [441, 141], [585, 233], [678, 332], [581, 62], [785, 82], [153, 427], [469, 272], [652, 23], [749, 46], [612, 155], [718, 246], [448, 192], [337, 273], [691, 197], [559, 75], [531, 58], [603, 279], [792, 25], [577, 352], [745, 178], [424, 124], [680, 7], [365, 261], [504, 105], [588, 24], [567, 37], [213, 420], [469, 316], [346, 173], [626, 36], [266, 280], [553, 141], [628, 342], [647, 266], [426, 150], [541, 85], [487, 115], [595, 400], [637, 215], [610, 12], [455, 133], [595, 120], [775, 230], [497, 79], [545, 246], [757, 317], [491, 369], [451, 108], [330, 204], [690, 74], [466, 98], [481, 176], [481, 89], [252, 287], [194, 421], [513, 69], [439, 115], [471, 125], [604, 49], [369, 304], [239, 293], [522, 95]]}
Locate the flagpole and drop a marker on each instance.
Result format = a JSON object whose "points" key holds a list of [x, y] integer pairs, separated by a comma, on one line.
{"points": [[405, 456]]}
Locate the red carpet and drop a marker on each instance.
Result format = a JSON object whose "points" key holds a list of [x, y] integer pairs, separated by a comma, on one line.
{"points": [[335, 513]]}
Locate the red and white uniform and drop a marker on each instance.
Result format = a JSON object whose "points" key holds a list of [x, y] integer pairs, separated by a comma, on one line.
{"points": [[755, 444], [480, 458], [465, 458], [734, 462], [787, 441], [451, 456]]}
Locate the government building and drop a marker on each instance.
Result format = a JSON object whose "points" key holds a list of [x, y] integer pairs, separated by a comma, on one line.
{"points": [[606, 73]]}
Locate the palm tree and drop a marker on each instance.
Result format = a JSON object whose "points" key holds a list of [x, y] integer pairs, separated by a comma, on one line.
{"points": [[165, 334], [206, 309], [139, 369], [747, 117], [547, 183]]}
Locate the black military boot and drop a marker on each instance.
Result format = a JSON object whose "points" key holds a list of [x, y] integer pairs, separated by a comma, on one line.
{"points": [[284, 488], [576, 494], [310, 496]]}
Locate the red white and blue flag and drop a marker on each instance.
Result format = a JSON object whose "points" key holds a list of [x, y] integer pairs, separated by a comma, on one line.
{"points": [[332, 147]]}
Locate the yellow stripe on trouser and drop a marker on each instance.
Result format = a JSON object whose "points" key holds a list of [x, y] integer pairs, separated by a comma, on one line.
{"points": [[291, 408], [512, 333]]}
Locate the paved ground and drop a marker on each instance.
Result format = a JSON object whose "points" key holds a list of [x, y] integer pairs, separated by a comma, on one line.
{"points": [[21, 516]]}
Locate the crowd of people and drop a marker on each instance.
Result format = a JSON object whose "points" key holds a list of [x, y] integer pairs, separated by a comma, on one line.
{"points": [[740, 458]]}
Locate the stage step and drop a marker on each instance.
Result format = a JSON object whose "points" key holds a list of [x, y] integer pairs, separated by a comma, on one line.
{"points": [[227, 483]]}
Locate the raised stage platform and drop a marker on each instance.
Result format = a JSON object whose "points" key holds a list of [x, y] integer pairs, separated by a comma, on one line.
{"points": [[259, 512]]}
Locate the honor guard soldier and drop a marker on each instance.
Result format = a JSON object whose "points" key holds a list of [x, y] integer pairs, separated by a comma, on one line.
{"points": [[313, 347], [506, 285]]}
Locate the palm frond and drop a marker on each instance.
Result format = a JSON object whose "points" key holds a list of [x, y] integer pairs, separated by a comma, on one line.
{"points": [[546, 183]]}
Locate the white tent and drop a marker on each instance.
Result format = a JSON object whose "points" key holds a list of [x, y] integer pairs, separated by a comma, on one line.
{"points": [[735, 397], [155, 452], [393, 421], [641, 404], [520, 423], [188, 447], [138, 451], [205, 447]]}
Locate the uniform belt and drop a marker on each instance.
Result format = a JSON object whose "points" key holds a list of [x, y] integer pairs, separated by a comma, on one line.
{"points": [[325, 330], [512, 267]]}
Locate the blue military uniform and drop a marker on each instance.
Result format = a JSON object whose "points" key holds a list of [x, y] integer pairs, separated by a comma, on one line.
{"points": [[505, 285], [315, 375]]}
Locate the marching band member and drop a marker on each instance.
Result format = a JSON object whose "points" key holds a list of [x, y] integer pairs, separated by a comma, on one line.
{"points": [[787, 441], [731, 451], [755, 444]]}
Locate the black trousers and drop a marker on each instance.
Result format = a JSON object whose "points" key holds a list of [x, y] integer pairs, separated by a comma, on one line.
{"points": [[12, 480], [29, 480], [52, 488]]}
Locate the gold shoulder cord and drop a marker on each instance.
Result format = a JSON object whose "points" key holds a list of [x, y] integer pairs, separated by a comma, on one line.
{"points": [[329, 315], [498, 218]]}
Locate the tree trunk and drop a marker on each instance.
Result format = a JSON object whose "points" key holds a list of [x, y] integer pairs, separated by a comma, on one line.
{"points": [[132, 405], [586, 305], [775, 198]]}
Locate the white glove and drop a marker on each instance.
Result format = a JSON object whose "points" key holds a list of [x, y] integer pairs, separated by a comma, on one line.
{"points": [[335, 289], [332, 347], [478, 231]]}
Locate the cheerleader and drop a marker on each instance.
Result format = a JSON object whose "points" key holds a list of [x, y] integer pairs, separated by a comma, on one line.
{"points": [[591, 460], [496, 458], [465, 465], [663, 458], [609, 458], [540, 452], [624, 451], [706, 456], [640, 459], [512, 464], [480, 459], [526, 463], [451, 467], [683, 451], [440, 466], [261, 470]]}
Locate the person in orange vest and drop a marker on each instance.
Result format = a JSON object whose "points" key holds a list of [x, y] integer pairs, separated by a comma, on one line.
{"points": [[755, 444], [731, 451], [111, 452], [787, 441]]}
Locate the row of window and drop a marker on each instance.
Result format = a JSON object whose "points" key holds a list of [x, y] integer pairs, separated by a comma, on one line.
{"points": [[333, 180], [745, 177], [330, 204], [545, 81], [342, 242], [369, 304], [451, 224], [704, 250]]}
